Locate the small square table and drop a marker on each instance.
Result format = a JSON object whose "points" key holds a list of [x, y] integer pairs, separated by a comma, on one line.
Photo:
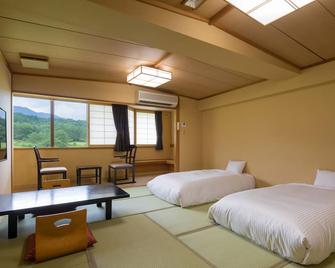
{"points": [[96, 175]]}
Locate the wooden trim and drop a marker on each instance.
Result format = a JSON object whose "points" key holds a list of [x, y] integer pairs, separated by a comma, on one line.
{"points": [[52, 123], [318, 63], [217, 16], [230, 90], [176, 155], [88, 122], [165, 56]]}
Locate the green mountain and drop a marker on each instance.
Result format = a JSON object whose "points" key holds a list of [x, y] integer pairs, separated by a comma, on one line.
{"points": [[31, 128]]}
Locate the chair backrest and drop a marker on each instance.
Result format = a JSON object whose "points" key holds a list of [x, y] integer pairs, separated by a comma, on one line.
{"points": [[38, 157], [55, 238], [131, 154]]}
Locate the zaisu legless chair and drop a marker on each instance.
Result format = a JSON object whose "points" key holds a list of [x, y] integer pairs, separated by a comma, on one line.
{"points": [[49, 171]]}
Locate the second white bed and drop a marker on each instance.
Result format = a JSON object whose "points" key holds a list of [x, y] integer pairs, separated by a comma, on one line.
{"points": [[199, 186], [296, 221]]}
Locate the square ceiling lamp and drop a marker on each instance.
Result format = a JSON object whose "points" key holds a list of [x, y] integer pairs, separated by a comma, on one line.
{"points": [[267, 11], [149, 77], [193, 3]]}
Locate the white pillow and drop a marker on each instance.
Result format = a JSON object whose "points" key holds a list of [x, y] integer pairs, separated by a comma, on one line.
{"points": [[325, 178], [236, 166]]}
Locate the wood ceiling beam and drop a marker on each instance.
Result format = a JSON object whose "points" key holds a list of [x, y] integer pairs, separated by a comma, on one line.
{"points": [[167, 55], [217, 16], [153, 27]]}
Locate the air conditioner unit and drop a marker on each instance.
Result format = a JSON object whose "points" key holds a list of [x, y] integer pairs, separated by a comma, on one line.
{"points": [[156, 99]]}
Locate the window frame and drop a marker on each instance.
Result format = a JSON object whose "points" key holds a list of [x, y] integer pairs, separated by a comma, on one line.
{"points": [[52, 123], [52, 99], [135, 128], [89, 130]]}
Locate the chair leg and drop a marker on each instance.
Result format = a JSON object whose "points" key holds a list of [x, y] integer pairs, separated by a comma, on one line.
{"points": [[64, 175], [115, 175], [39, 182], [109, 174], [133, 173]]}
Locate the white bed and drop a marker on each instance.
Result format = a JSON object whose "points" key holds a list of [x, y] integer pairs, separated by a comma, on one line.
{"points": [[297, 221], [200, 186]]}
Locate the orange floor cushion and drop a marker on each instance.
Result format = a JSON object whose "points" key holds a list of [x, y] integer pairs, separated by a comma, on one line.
{"points": [[51, 242]]}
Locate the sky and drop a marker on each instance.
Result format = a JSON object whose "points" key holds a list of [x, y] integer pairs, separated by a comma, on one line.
{"points": [[65, 109]]}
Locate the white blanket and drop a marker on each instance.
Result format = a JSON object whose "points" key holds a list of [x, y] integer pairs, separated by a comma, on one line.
{"points": [[198, 187], [297, 221]]}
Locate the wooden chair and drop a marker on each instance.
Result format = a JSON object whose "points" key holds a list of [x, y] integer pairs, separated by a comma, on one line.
{"points": [[129, 164], [49, 171]]}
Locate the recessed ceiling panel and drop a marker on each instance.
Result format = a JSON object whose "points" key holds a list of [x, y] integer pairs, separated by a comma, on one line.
{"points": [[267, 37], [314, 27]]}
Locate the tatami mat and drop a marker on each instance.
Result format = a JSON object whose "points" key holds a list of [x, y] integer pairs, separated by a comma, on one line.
{"points": [[137, 205], [328, 263], [178, 220], [137, 191], [226, 249], [162, 235], [126, 207], [136, 241]]}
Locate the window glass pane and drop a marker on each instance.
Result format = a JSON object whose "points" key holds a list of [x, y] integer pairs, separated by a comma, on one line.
{"points": [[145, 128], [31, 122], [102, 128], [70, 124], [131, 126]]}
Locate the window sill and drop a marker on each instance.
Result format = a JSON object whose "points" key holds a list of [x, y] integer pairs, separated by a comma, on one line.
{"points": [[67, 148], [80, 148]]}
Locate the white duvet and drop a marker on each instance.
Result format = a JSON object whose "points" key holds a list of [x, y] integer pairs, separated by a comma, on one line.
{"points": [[297, 221], [199, 186]]}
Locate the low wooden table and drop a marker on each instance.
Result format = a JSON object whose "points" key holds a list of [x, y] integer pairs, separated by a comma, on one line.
{"points": [[96, 175], [57, 200]]}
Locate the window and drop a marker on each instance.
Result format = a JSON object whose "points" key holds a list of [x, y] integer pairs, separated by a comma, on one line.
{"points": [[70, 124], [102, 128], [32, 122], [61, 123], [131, 124], [145, 128]]}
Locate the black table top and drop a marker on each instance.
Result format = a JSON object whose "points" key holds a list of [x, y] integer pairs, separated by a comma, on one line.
{"points": [[78, 195]]}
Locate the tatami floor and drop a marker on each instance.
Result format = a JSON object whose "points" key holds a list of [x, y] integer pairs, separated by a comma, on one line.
{"points": [[148, 232]]}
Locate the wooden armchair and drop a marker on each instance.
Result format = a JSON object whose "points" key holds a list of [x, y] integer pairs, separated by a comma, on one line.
{"points": [[49, 171], [129, 163]]}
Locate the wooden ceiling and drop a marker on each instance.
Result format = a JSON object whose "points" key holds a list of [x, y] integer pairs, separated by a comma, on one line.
{"points": [[82, 56], [303, 39]]}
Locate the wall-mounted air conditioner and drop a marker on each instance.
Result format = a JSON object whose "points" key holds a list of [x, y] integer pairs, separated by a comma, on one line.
{"points": [[156, 99]]}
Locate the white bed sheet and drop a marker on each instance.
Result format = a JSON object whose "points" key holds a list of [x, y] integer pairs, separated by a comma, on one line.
{"points": [[297, 221], [196, 187]]}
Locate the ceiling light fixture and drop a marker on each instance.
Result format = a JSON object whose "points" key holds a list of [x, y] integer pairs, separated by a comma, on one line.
{"points": [[193, 3], [149, 77], [267, 11]]}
